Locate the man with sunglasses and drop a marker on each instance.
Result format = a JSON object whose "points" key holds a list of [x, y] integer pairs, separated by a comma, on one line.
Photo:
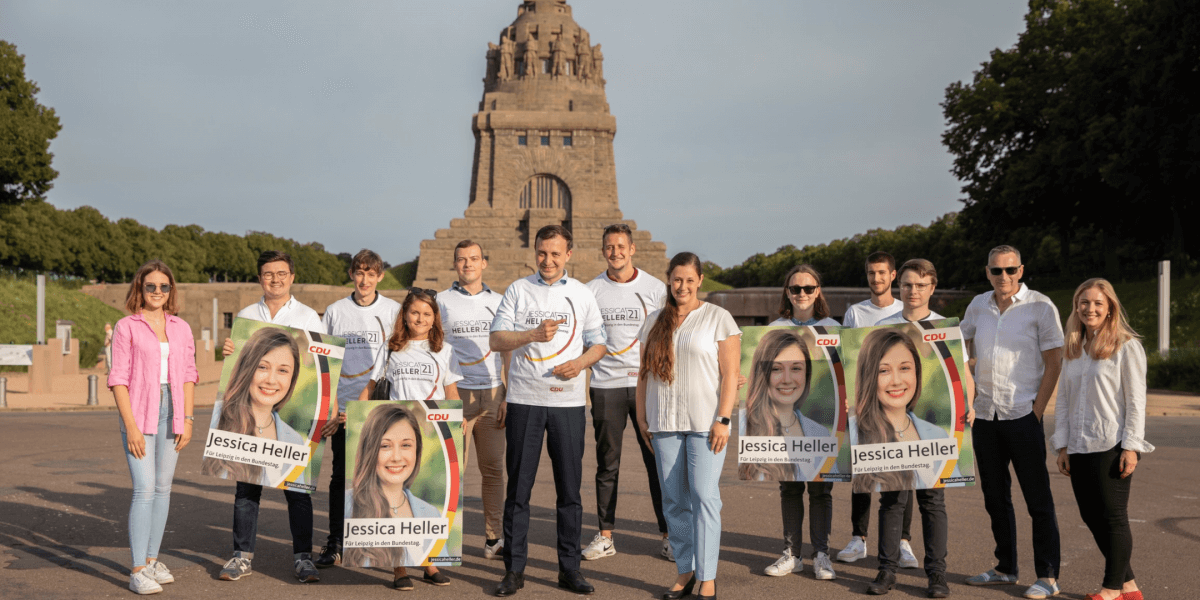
{"points": [[1016, 339]]}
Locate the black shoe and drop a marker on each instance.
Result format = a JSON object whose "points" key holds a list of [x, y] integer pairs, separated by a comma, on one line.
{"points": [[331, 555], [938, 588], [574, 581], [883, 583], [403, 583], [712, 597], [512, 582], [437, 578], [680, 593]]}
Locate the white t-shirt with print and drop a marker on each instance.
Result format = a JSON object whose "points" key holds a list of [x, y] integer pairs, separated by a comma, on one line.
{"points": [[624, 307], [417, 372], [366, 330], [467, 321], [898, 318], [866, 314]]}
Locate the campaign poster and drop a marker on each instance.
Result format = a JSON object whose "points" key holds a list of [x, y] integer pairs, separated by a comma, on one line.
{"points": [[793, 424], [277, 390], [403, 484], [907, 406]]}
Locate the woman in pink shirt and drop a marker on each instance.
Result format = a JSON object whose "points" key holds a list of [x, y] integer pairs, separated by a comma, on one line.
{"points": [[152, 378]]}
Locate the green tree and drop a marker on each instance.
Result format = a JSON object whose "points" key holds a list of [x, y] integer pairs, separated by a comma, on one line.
{"points": [[26, 129]]}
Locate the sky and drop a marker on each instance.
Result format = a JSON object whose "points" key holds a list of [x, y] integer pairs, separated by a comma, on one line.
{"points": [[741, 126]]}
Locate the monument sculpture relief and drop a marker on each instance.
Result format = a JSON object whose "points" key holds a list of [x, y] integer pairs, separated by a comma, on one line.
{"points": [[543, 155]]}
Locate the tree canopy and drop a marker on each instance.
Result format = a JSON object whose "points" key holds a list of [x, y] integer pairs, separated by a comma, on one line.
{"points": [[26, 129]]}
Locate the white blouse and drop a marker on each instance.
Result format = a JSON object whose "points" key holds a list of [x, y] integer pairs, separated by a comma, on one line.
{"points": [[690, 403], [1102, 403]]}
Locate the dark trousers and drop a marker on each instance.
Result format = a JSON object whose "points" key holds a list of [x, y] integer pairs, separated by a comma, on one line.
{"points": [[563, 428], [934, 528], [1103, 499], [245, 518], [1021, 442], [820, 514], [611, 410], [860, 515], [337, 486]]}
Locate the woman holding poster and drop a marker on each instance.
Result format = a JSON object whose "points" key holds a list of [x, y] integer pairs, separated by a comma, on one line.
{"points": [[686, 392], [262, 381], [1099, 424], [152, 377], [420, 366], [780, 380]]}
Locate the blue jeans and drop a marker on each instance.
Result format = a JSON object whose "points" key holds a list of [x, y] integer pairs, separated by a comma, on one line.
{"points": [[152, 475], [690, 474]]}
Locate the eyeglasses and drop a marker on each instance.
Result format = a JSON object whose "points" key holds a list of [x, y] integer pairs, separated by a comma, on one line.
{"points": [[281, 275], [150, 287], [807, 289], [1009, 270], [920, 287], [425, 291]]}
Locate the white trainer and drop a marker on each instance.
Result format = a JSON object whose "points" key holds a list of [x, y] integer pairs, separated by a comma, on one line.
{"points": [[142, 583], [160, 573], [785, 565], [908, 560], [495, 551], [856, 549], [599, 548], [822, 568]]}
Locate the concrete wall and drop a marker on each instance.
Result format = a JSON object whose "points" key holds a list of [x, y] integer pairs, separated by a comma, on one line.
{"points": [[760, 305]]}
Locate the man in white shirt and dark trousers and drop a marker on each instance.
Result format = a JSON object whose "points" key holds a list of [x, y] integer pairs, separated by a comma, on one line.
{"points": [[553, 328], [625, 295], [1016, 337], [364, 319], [881, 272], [468, 308], [276, 273]]}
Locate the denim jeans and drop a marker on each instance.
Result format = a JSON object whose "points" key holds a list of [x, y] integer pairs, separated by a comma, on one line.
{"points": [[152, 475], [690, 475], [934, 528], [245, 518]]}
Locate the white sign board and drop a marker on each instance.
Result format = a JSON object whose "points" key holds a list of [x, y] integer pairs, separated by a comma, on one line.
{"points": [[12, 354]]}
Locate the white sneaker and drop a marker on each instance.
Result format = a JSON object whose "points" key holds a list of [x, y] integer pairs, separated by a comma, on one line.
{"points": [[667, 552], [142, 583], [907, 559], [494, 552], [160, 573], [822, 568], [599, 548], [785, 565], [856, 549]]}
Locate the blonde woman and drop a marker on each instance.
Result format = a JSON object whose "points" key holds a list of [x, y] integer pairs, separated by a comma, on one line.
{"points": [[1099, 425]]}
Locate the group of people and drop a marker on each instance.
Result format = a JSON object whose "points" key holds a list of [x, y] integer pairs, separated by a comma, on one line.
{"points": [[668, 362]]}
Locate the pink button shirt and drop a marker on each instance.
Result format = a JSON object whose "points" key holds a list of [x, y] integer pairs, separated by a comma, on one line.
{"points": [[137, 358]]}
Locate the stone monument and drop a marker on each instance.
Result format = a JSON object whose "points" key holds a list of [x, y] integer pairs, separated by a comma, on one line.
{"points": [[543, 155]]}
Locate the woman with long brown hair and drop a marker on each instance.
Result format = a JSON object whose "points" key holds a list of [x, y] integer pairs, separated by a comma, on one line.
{"points": [[152, 376], [1100, 424], [687, 389]]}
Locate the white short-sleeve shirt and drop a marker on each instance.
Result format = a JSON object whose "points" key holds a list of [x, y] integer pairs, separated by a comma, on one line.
{"points": [[624, 307], [467, 321], [293, 314], [417, 372], [366, 330], [866, 314]]}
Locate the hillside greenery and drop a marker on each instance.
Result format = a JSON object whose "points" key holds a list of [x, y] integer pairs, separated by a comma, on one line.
{"points": [[64, 301]]}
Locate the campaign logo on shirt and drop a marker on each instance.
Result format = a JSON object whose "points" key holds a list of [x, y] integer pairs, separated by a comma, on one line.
{"points": [[615, 316], [411, 369], [469, 327], [361, 339], [534, 318]]}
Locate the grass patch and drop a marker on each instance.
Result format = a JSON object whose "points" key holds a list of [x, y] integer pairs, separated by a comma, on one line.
{"points": [[18, 305], [389, 283], [712, 285], [1180, 371]]}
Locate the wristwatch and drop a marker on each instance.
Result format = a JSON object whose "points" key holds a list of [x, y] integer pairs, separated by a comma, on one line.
{"points": [[189, 418], [722, 420]]}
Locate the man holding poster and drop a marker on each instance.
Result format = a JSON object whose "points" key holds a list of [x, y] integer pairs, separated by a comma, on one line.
{"points": [[276, 273], [1017, 339]]}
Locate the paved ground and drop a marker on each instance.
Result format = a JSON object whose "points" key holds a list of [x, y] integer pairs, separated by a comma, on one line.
{"points": [[64, 496]]}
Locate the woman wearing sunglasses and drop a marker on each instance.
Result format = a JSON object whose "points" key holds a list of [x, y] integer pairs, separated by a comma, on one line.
{"points": [[152, 378], [803, 304]]}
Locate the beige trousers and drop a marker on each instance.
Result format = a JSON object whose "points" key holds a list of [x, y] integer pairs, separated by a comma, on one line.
{"points": [[480, 424]]}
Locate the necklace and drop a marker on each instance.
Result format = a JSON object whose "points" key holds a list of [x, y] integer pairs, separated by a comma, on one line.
{"points": [[403, 501], [900, 432], [262, 429], [787, 429]]}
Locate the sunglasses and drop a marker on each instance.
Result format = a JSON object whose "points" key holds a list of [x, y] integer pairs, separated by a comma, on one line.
{"points": [[807, 289], [426, 291], [150, 287], [1009, 270]]}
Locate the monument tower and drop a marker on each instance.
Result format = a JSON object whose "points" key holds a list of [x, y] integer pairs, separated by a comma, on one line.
{"points": [[543, 155]]}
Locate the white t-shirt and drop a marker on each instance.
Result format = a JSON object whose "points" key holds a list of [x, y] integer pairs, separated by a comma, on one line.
{"points": [[418, 373], [624, 307], [899, 318], [866, 314], [366, 330], [826, 322], [690, 402], [527, 303], [467, 321], [165, 349], [293, 314]]}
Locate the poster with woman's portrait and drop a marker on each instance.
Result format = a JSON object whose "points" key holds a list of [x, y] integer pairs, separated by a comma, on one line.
{"points": [[907, 405], [277, 390], [403, 484], [793, 421]]}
